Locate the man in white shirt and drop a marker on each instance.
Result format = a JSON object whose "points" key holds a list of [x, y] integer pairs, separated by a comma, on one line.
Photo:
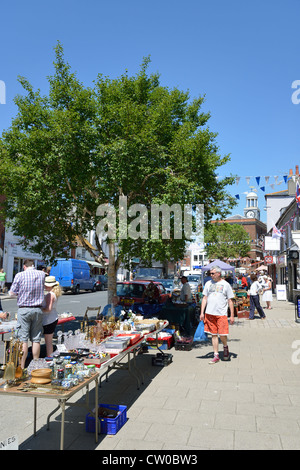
{"points": [[185, 293], [217, 296]]}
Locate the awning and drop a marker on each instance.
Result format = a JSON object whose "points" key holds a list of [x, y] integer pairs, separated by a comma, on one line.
{"points": [[95, 264], [262, 268]]}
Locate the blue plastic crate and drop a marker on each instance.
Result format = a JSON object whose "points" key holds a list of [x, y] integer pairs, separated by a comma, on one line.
{"points": [[107, 425]]}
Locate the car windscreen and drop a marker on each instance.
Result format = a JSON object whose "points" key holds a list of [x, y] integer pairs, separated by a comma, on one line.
{"points": [[166, 283], [130, 290], [193, 278]]}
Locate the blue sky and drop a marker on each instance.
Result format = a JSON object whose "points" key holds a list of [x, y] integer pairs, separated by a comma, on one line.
{"points": [[244, 56]]}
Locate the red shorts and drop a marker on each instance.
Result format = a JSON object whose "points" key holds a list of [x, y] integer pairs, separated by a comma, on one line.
{"points": [[216, 324]]}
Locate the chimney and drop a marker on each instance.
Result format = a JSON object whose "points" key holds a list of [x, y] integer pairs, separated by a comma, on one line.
{"points": [[292, 182]]}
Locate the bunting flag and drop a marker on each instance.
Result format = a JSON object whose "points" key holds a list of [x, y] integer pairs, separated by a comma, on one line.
{"points": [[298, 194], [276, 233], [258, 179]]}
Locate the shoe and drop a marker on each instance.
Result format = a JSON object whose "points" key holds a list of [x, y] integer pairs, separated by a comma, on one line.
{"points": [[214, 360], [263, 318], [225, 353]]}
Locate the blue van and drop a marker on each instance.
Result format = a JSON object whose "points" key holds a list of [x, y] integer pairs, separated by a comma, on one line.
{"points": [[73, 274]]}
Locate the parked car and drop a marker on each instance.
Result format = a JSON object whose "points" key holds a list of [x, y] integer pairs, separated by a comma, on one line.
{"points": [[73, 274], [169, 284], [194, 281], [131, 292], [100, 281]]}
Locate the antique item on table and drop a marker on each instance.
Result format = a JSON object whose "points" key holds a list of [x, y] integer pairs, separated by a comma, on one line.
{"points": [[40, 380], [10, 370], [42, 373]]}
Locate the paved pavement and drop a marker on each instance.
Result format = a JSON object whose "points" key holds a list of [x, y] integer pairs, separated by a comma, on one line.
{"points": [[249, 402]]}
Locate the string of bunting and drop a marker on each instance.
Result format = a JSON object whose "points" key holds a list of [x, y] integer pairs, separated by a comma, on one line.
{"points": [[288, 223], [228, 243], [259, 180]]}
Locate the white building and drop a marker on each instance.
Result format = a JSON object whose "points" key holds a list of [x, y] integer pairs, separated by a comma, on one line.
{"points": [[14, 256]]}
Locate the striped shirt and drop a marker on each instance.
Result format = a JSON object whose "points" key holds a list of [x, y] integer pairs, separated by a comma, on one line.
{"points": [[28, 285]]}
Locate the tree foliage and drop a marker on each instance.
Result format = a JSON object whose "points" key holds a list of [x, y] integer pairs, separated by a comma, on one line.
{"points": [[78, 147], [225, 241]]}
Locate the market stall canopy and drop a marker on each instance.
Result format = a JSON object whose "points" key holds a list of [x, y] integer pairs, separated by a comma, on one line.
{"points": [[262, 268], [221, 264]]}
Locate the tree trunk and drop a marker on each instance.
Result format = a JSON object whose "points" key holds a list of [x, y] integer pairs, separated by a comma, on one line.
{"points": [[114, 262]]}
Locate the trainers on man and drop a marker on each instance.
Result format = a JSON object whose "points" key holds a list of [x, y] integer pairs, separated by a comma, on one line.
{"points": [[214, 360], [226, 353]]}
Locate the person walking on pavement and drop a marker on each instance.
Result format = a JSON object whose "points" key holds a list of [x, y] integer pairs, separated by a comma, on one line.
{"points": [[217, 296], [2, 280], [254, 291], [28, 286]]}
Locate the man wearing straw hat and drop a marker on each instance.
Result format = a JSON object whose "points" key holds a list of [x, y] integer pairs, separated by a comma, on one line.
{"points": [[28, 286]]}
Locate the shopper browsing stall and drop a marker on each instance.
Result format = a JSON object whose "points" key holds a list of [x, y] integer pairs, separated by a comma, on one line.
{"points": [[50, 314], [28, 286]]}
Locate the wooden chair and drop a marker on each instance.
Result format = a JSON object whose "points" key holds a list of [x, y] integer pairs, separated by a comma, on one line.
{"points": [[95, 309]]}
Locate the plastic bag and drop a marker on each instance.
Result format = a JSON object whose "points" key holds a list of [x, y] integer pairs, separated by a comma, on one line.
{"points": [[199, 333]]}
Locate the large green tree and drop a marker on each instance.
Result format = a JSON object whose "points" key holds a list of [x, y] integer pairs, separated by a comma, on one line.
{"points": [[224, 240], [79, 147]]}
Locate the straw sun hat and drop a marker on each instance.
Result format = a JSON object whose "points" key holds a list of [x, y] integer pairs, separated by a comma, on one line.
{"points": [[50, 281]]}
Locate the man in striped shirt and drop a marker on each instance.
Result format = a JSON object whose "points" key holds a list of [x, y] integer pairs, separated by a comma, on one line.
{"points": [[28, 286]]}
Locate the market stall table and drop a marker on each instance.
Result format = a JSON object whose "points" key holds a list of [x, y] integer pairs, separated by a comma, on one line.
{"points": [[63, 320], [115, 363], [62, 396]]}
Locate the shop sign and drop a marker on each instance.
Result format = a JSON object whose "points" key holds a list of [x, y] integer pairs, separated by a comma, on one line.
{"points": [[10, 443], [269, 259], [281, 292], [282, 260]]}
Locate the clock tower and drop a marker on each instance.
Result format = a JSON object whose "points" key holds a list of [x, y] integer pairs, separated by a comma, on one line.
{"points": [[251, 210]]}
